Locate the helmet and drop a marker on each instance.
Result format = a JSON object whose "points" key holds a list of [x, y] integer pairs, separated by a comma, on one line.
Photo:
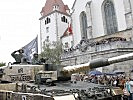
{"points": [[35, 54], [21, 51]]}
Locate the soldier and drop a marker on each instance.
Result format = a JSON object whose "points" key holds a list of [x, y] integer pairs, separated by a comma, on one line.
{"points": [[35, 59], [19, 57]]}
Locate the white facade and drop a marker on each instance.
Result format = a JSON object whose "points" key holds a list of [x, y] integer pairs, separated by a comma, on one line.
{"points": [[55, 29], [95, 19], [131, 4]]}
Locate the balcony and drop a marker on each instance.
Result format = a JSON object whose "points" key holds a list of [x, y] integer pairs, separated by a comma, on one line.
{"points": [[97, 46], [119, 40]]}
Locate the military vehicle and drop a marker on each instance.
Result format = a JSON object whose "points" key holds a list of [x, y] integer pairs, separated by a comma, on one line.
{"points": [[37, 73], [66, 90], [61, 72]]}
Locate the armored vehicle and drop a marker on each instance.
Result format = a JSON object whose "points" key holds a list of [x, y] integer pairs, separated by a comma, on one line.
{"points": [[28, 72], [66, 90]]}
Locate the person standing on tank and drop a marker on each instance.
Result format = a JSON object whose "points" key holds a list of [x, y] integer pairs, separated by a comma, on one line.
{"points": [[35, 59], [19, 56]]}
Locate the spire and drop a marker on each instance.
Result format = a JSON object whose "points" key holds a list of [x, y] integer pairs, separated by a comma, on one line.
{"points": [[48, 8]]}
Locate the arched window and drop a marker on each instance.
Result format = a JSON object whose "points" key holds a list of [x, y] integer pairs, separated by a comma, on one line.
{"points": [[47, 20], [64, 19], [110, 21], [83, 24]]}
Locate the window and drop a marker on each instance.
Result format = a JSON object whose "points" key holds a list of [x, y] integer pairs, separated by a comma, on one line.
{"points": [[83, 25], [47, 29], [47, 20], [55, 7], [110, 21], [64, 19]]}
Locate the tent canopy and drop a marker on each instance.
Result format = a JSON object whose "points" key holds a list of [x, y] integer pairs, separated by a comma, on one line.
{"points": [[95, 72], [118, 71]]}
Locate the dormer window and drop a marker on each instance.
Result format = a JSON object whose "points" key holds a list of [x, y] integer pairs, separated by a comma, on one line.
{"points": [[55, 7], [47, 20], [64, 19]]}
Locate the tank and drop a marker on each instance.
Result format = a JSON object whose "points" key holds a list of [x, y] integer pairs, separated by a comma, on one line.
{"points": [[59, 72], [66, 90], [21, 72], [84, 90]]}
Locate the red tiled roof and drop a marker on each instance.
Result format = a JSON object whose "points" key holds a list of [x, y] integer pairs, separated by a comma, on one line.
{"points": [[66, 7], [48, 8]]}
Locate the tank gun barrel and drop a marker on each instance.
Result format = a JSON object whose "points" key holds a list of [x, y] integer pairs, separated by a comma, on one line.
{"points": [[68, 70], [120, 58]]}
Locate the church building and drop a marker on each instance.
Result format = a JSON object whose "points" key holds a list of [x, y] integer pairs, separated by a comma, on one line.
{"points": [[94, 29], [101, 29]]}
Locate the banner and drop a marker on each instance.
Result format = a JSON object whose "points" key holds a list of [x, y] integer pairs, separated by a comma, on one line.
{"points": [[31, 48]]}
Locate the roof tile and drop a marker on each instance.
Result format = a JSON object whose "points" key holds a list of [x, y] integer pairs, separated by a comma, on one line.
{"points": [[48, 8]]}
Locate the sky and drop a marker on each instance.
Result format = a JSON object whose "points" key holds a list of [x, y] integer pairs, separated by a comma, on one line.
{"points": [[19, 24]]}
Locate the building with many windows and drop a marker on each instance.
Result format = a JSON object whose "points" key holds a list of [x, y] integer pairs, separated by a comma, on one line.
{"points": [[100, 28]]}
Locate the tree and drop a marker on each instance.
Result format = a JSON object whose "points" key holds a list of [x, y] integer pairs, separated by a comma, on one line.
{"points": [[52, 52], [2, 64]]}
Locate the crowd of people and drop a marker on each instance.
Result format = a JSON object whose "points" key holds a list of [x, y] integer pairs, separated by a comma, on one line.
{"points": [[125, 83], [85, 43]]}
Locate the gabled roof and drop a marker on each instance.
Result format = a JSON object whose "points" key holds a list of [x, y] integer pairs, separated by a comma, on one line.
{"points": [[48, 8]]}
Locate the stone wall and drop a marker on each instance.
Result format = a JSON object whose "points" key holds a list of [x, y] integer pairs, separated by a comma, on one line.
{"points": [[103, 50]]}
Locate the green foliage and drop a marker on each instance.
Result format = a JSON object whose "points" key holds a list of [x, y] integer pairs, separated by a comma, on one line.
{"points": [[52, 52], [2, 64]]}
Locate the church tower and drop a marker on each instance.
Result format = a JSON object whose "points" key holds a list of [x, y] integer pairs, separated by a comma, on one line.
{"points": [[55, 17]]}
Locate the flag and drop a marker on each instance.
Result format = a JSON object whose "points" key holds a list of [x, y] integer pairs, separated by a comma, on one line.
{"points": [[70, 29], [31, 48]]}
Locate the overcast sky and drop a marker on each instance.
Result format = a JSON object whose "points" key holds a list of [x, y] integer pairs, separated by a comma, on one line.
{"points": [[19, 24]]}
